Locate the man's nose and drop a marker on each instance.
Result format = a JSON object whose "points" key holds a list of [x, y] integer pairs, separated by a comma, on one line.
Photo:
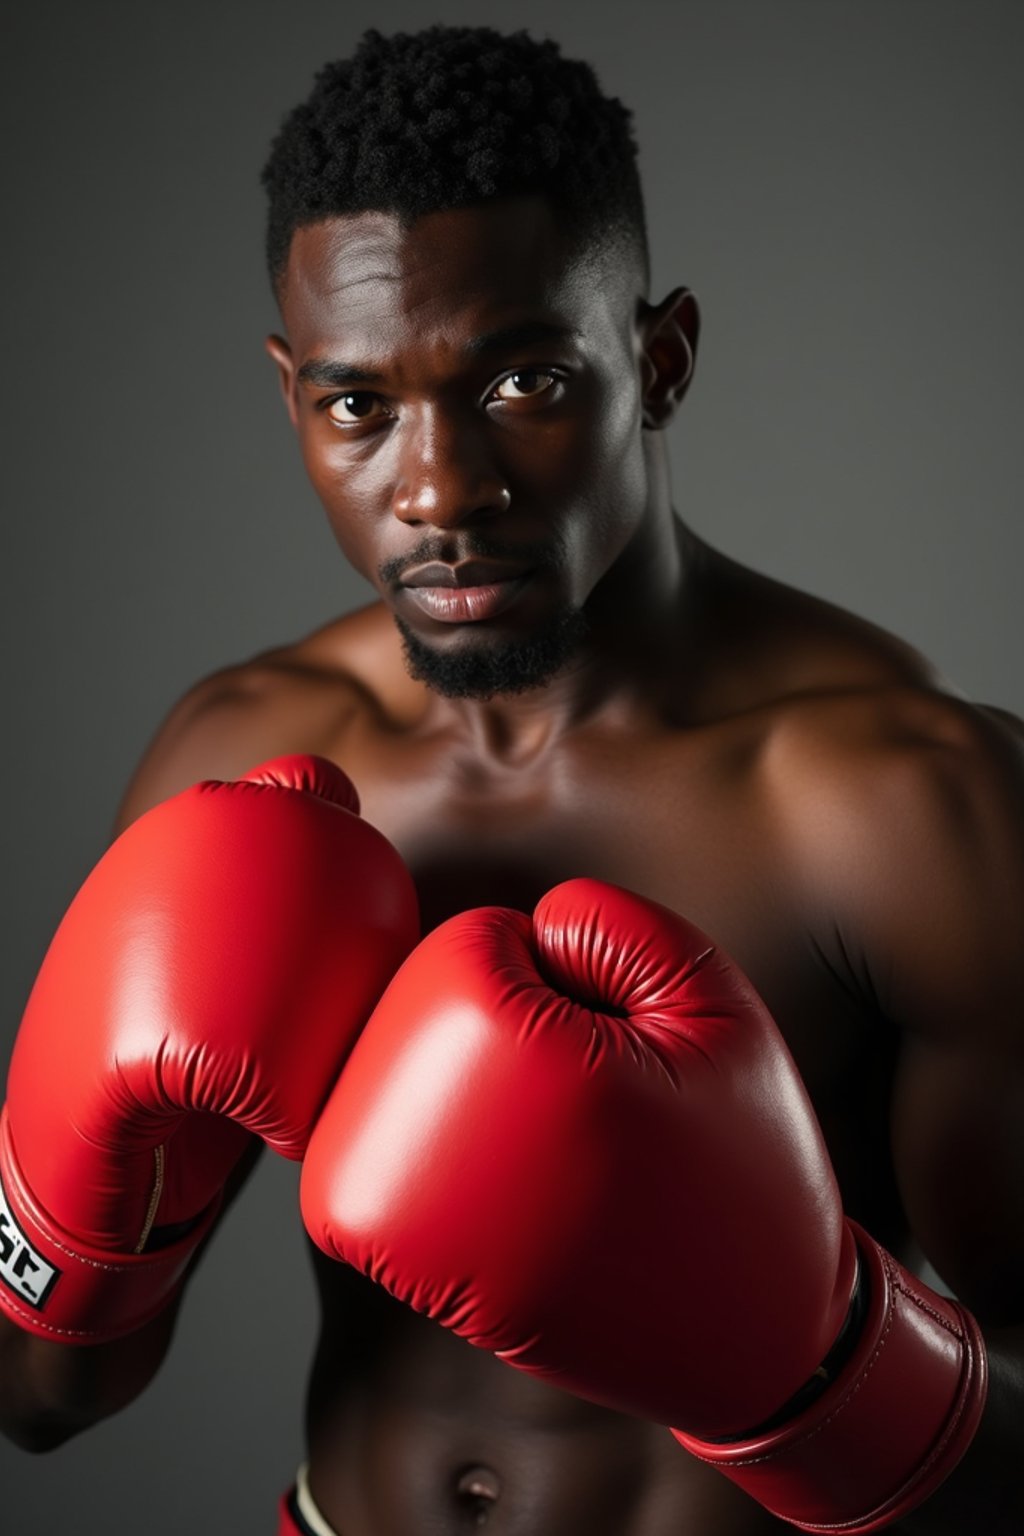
{"points": [[446, 472]]}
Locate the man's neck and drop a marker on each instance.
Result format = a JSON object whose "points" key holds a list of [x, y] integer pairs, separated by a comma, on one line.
{"points": [[638, 617]]}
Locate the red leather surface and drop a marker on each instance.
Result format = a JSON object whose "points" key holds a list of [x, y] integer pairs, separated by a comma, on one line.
{"points": [[206, 983], [581, 1142]]}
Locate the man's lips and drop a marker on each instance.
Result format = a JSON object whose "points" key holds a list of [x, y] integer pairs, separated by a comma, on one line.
{"points": [[467, 573], [464, 593]]}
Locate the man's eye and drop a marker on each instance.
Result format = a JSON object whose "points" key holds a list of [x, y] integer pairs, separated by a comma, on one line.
{"points": [[525, 384], [346, 410]]}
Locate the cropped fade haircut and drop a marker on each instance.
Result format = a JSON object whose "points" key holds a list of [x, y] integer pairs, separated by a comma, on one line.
{"points": [[452, 116]]}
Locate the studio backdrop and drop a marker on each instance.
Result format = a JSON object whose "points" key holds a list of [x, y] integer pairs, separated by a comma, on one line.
{"points": [[838, 180]]}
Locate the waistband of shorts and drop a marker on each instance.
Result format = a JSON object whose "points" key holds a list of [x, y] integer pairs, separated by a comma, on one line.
{"points": [[299, 1514]]}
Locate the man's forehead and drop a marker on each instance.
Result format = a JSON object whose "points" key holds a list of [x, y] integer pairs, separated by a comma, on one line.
{"points": [[487, 262]]}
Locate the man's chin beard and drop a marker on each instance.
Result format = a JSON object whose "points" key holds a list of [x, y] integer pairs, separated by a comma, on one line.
{"points": [[487, 672]]}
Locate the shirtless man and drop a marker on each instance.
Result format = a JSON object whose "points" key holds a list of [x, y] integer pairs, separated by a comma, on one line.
{"points": [[560, 679]]}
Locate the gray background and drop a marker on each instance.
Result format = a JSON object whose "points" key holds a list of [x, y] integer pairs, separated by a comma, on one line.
{"points": [[840, 182]]}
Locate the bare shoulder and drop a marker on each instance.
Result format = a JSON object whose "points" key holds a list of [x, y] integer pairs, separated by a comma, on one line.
{"points": [[903, 815], [300, 697], [785, 642], [863, 742], [892, 744]]}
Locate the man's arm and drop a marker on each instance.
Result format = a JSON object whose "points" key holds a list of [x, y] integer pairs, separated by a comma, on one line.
{"points": [[929, 849], [280, 702], [217, 964], [51, 1391]]}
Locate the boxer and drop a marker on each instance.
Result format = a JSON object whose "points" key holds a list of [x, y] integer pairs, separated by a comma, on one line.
{"points": [[558, 680]]}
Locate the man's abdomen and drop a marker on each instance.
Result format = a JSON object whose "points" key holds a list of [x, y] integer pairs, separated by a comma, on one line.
{"points": [[413, 1432]]}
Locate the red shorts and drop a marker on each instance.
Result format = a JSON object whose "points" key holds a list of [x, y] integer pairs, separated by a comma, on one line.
{"points": [[293, 1509], [286, 1525]]}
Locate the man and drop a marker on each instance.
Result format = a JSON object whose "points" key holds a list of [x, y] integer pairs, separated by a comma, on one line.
{"points": [[559, 679]]}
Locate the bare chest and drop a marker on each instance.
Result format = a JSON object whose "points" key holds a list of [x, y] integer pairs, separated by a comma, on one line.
{"points": [[688, 827], [694, 825], [414, 1429]]}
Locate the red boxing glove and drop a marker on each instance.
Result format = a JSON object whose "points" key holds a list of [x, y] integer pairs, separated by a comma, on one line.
{"points": [[581, 1142], [206, 982]]}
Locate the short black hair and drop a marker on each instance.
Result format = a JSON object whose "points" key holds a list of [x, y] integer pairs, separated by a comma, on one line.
{"points": [[448, 117]]}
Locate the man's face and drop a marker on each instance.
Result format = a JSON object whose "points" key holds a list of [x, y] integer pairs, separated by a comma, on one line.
{"points": [[467, 398]]}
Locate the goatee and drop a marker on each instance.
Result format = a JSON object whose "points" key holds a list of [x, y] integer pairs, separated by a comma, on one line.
{"points": [[489, 671]]}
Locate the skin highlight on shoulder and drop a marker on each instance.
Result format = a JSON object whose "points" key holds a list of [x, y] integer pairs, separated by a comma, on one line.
{"points": [[280, 701]]}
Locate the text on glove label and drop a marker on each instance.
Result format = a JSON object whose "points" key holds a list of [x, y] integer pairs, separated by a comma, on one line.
{"points": [[22, 1268]]}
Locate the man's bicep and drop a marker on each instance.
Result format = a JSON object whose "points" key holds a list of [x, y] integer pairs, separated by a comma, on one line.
{"points": [[952, 921], [958, 1147]]}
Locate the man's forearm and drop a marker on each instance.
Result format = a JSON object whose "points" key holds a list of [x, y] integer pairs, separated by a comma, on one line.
{"points": [[50, 1392]]}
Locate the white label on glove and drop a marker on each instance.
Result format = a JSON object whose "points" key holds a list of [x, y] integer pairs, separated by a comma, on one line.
{"points": [[22, 1269]]}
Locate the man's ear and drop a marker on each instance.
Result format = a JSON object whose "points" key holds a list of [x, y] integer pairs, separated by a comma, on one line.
{"points": [[668, 347], [281, 353]]}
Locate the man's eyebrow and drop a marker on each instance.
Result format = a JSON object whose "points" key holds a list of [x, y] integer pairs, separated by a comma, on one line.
{"points": [[528, 334], [327, 374]]}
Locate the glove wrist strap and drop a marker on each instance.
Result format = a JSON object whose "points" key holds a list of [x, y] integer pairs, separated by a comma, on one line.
{"points": [[888, 1430], [59, 1288]]}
